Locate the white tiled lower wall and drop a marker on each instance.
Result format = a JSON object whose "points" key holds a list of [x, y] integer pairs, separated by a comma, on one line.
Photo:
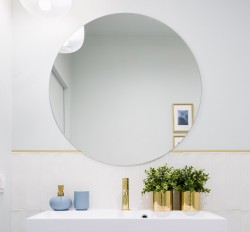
{"points": [[36, 176]]}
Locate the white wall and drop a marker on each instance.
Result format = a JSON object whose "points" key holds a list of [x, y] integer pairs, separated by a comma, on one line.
{"points": [[5, 115], [219, 42], [218, 34]]}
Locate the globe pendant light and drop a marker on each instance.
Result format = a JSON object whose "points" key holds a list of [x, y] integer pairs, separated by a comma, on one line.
{"points": [[74, 43], [49, 8]]}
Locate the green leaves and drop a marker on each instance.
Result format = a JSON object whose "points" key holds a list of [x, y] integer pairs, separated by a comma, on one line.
{"points": [[191, 179], [159, 180], [167, 178]]}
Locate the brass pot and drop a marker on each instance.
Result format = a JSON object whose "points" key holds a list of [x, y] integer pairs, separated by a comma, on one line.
{"points": [[163, 201], [190, 201]]}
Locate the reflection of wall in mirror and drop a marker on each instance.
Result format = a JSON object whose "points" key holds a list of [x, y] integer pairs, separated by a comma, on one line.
{"points": [[127, 84], [104, 60], [63, 70], [57, 100]]}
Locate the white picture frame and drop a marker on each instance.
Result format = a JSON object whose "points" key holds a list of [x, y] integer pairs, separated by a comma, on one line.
{"points": [[177, 139], [183, 117]]}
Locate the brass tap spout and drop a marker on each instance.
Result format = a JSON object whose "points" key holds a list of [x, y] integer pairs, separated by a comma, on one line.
{"points": [[125, 194]]}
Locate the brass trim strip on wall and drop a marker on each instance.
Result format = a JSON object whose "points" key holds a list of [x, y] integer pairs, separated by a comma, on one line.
{"points": [[46, 151], [175, 151], [180, 151]]}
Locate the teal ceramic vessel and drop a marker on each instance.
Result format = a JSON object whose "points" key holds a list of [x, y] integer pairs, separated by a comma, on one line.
{"points": [[60, 203]]}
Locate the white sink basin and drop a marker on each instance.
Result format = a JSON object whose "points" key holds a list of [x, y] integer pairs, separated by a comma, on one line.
{"points": [[125, 221]]}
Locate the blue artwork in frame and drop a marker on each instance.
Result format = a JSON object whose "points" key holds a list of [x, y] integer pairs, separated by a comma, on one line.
{"points": [[182, 117]]}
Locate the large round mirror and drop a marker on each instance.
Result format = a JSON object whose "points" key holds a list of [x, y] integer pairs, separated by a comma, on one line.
{"points": [[130, 94]]}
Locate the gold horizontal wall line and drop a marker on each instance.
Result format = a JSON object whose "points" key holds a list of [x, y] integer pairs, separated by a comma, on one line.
{"points": [[176, 151], [46, 151], [179, 151]]}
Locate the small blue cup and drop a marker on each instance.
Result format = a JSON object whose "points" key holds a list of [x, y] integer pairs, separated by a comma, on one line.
{"points": [[81, 200]]}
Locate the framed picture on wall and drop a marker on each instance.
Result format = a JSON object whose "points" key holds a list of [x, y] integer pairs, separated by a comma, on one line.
{"points": [[177, 139], [183, 117]]}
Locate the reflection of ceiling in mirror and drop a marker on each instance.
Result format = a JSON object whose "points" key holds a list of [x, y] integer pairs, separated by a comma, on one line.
{"points": [[128, 24]]}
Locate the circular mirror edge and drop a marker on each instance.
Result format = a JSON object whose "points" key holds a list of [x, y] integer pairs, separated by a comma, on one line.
{"points": [[198, 106]]}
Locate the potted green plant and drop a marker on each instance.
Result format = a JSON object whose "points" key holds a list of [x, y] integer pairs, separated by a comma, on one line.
{"points": [[191, 182], [161, 182]]}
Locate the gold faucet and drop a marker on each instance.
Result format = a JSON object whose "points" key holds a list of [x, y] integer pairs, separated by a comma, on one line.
{"points": [[125, 194]]}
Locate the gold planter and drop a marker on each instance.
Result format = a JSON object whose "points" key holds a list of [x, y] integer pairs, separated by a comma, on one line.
{"points": [[190, 201], [163, 201]]}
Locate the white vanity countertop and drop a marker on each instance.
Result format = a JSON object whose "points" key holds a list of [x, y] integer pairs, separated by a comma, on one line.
{"points": [[117, 220], [119, 214]]}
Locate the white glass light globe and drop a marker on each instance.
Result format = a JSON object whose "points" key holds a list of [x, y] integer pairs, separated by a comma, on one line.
{"points": [[50, 8], [74, 43]]}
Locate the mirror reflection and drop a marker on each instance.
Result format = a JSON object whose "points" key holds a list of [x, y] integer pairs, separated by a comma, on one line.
{"points": [[129, 94]]}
